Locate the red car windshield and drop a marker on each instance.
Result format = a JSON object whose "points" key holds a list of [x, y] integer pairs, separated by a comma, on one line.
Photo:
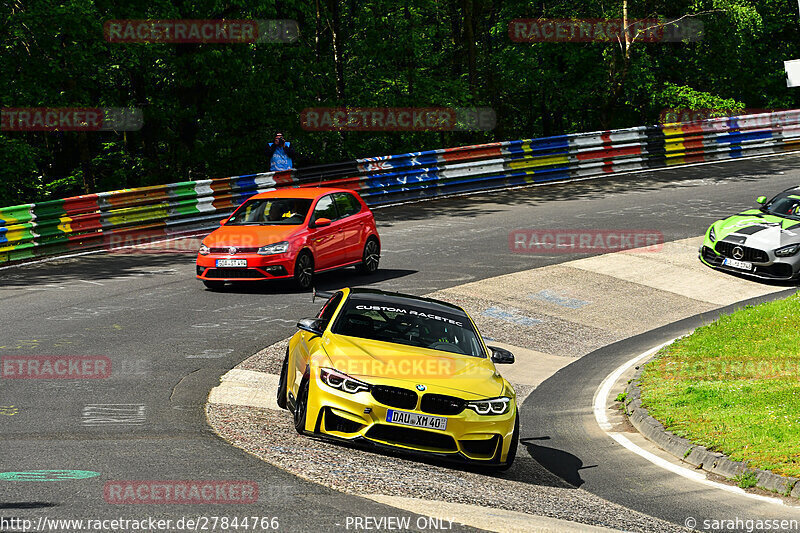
{"points": [[272, 212]]}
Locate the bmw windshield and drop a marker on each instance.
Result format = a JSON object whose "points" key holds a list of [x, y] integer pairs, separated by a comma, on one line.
{"points": [[784, 205], [405, 323], [272, 212]]}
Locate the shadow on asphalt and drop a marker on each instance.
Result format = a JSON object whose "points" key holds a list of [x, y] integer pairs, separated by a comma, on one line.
{"points": [[559, 463], [94, 267], [524, 470], [26, 505], [329, 281], [129, 263], [768, 282], [101, 267], [481, 203]]}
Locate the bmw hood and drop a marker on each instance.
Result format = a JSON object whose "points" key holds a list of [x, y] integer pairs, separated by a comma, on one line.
{"points": [[387, 363], [758, 230]]}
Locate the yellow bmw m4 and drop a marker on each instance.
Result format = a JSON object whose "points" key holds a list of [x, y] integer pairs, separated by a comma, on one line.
{"points": [[400, 372]]}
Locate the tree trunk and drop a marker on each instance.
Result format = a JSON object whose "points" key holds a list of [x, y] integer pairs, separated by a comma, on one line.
{"points": [[317, 31], [86, 162], [469, 41], [410, 58], [336, 34], [458, 39], [491, 80], [617, 76]]}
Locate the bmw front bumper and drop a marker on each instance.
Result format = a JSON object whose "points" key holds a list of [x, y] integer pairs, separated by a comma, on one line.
{"points": [[361, 419]]}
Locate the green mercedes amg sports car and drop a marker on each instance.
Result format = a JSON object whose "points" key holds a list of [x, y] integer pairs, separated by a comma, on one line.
{"points": [[762, 243]]}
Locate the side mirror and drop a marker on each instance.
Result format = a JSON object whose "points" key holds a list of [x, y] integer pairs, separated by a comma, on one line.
{"points": [[501, 356], [312, 325], [222, 222], [761, 200], [320, 223]]}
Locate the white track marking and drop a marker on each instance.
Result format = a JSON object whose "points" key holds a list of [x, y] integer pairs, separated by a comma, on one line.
{"points": [[601, 415]]}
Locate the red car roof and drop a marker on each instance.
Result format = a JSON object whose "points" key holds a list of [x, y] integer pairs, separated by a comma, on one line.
{"points": [[300, 192]]}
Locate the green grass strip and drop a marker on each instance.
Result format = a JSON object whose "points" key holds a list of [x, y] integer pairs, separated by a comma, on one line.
{"points": [[733, 386]]}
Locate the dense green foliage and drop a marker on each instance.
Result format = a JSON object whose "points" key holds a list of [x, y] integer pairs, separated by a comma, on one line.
{"points": [[209, 109]]}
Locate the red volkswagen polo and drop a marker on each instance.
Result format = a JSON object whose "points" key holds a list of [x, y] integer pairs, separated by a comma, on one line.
{"points": [[291, 233]]}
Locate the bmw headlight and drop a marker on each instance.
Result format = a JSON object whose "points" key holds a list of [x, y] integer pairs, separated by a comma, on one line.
{"points": [[492, 406], [272, 249], [712, 235], [204, 250], [337, 380], [786, 251]]}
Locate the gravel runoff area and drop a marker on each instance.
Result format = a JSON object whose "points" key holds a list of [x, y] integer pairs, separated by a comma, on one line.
{"points": [[550, 335], [527, 487]]}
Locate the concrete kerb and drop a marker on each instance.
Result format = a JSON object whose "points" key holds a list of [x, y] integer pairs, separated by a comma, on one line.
{"points": [[698, 456]]}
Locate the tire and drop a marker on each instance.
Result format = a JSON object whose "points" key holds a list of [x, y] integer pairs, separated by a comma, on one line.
{"points": [[512, 450], [301, 407], [304, 270], [370, 258], [214, 285], [282, 381]]}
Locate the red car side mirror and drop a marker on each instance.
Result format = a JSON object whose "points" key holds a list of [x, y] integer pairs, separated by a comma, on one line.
{"points": [[321, 223]]}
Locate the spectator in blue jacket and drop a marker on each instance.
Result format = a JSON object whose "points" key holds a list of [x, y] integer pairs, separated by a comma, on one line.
{"points": [[280, 154]]}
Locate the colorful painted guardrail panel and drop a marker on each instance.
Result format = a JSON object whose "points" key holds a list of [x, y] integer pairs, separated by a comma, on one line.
{"points": [[119, 218]]}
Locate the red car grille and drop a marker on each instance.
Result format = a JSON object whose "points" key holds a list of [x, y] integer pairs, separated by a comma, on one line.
{"points": [[226, 250], [233, 273]]}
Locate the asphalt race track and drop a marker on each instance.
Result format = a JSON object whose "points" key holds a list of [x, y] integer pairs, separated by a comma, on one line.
{"points": [[568, 442], [169, 340]]}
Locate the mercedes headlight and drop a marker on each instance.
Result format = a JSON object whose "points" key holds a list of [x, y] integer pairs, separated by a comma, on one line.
{"points": [[786, 251], [492, 406], [204, 250], [712, 236], [337, 380], [272, 249]]}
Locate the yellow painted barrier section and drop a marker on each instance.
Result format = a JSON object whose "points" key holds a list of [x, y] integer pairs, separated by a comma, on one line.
{"points": [[137, 214], [65, 224], [546, 161]]}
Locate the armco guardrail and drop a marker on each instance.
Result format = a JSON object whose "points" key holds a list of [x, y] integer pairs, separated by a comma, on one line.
{"points": [[119, 218]]}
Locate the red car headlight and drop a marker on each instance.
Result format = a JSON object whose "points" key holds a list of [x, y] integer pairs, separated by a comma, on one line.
{"points": [[272, 249]]}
